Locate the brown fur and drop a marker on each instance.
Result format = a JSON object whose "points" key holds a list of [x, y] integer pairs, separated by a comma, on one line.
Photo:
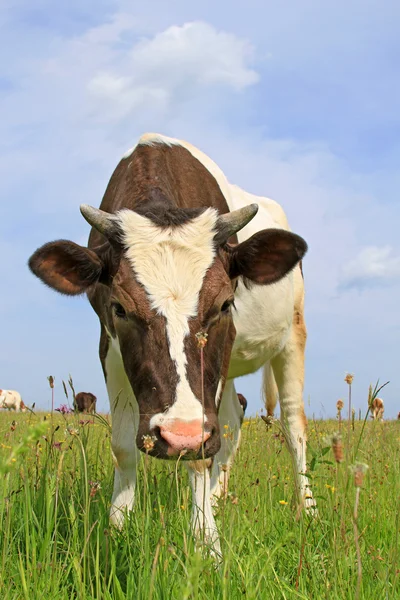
{"points": [[85, 402]]}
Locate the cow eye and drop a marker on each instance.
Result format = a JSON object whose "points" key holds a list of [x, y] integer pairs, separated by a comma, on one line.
{"points": [[119, 310], [226, 306]]}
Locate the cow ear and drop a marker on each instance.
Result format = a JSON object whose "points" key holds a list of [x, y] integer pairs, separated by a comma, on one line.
{"points": [[267, 256], [66, 267]]}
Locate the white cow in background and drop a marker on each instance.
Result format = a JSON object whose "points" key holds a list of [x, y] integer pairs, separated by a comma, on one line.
{"points": [[377, 409], [12, 400]]}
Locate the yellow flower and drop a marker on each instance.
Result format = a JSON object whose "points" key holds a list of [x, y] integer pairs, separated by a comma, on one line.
{"points": [[349, 378], [226, 426], [183, 507], [283, 502]]}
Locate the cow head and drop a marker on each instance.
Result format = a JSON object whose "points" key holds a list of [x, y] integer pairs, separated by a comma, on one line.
{"points": [[158, 283]]}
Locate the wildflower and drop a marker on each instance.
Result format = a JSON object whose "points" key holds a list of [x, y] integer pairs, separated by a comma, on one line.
{"points": [[339, 405], [64, 409], [283, 502], [349, 378], [201, 337], [94, 488], [148, 442], [51, 381], [57, 445], [71, 431], [358, 471], [183, 507]]}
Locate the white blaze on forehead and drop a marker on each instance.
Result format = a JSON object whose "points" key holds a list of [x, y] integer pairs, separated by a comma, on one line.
{"points": [[171, 263]]}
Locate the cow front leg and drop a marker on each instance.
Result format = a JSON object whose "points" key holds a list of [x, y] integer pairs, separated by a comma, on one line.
{"points": [[230, 417], [125, 422], [126, 459], [288, 368], [203, 522]]}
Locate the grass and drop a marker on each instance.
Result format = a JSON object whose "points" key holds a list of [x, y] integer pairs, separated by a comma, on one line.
{"points": [[56, 543]]}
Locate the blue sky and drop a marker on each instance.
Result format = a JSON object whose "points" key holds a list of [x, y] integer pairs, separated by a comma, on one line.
{"points": [[297, 101]]}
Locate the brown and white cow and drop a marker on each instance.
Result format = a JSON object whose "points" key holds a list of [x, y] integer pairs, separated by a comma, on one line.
{"points": [[85, 402], [377, 409], [177, 251], [12, 400]]}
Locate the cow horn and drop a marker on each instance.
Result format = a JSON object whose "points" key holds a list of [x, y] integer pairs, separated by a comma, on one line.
{"points": [[99, 219], [234, 221]]}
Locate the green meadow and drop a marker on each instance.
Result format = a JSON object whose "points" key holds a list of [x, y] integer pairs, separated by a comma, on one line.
{"points": [[56, 542]]}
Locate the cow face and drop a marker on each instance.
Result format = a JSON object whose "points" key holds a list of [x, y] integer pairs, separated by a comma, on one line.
{"points": [[160, 286]]}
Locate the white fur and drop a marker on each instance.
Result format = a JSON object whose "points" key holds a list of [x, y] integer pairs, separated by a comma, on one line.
{"points": [[12, 400], [202, 515], [149, 139], [229, 416], [219, 392], [171, 264], [125, 423]]}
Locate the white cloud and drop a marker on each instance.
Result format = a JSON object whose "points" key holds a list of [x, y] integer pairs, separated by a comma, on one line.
{"points": [[173, 65], [372, 266]]}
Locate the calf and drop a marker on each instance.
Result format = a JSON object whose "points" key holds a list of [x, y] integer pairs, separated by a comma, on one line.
{"points": [[377, 409], [195, 282], [85, 402], [12, 400]]}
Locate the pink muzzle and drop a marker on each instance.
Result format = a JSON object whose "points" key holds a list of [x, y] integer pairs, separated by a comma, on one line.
{"points": [[184, 436]]}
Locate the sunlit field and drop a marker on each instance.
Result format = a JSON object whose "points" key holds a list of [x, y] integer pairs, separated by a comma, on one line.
{"points": [[56, 541]]}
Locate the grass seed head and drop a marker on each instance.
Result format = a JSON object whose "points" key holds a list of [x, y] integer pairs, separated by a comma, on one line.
{"points": [[337, 448], [201, 337], [349, 378], [358, 471], [148, 442]]}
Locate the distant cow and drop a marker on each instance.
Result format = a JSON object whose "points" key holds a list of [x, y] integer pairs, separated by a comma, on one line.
{"points": [[85, 402], [377, 409], [242, 402], [12, 400]]}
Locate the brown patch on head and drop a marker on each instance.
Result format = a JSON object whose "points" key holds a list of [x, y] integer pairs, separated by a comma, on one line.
{"points": [[215, 319], [127, 291]]}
